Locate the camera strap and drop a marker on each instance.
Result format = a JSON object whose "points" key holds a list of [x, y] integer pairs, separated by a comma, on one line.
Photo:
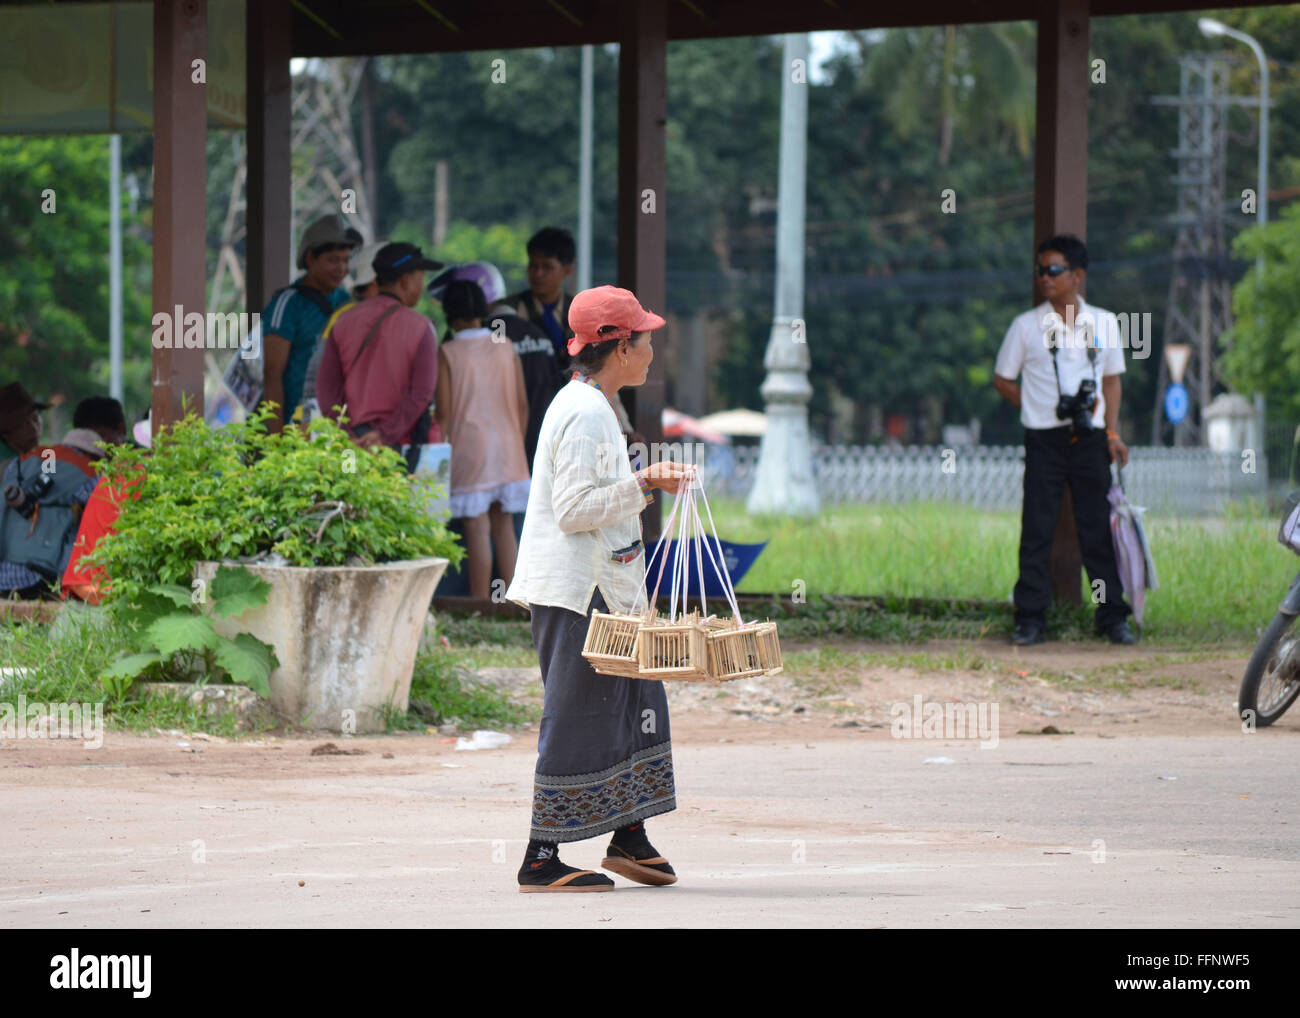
{"points": [[1092, 364]]}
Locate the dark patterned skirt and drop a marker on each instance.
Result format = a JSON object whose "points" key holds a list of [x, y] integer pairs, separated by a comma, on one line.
{"points": [[604, 755]]}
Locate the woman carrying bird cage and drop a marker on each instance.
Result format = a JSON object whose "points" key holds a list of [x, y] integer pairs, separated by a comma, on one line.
{"points": [[604, 753]]}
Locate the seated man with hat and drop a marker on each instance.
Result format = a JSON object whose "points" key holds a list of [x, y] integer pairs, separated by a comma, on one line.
{"points": [[44, 488]]}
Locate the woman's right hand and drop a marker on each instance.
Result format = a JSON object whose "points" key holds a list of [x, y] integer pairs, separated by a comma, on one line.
{"points": [[666, 475]]}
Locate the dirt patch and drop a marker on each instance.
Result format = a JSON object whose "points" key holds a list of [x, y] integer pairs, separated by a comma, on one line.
{"points": [[1121, 691], [1094, 689], [330, 749]]}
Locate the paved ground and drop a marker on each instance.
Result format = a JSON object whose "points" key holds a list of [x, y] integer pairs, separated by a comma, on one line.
{"points": [[779, 824]]}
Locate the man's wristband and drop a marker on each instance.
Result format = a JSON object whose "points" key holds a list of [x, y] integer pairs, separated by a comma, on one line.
{"points": [[646, 490], [1112, 434]]}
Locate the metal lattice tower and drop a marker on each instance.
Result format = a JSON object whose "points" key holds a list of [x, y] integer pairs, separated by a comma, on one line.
{"points": [[325, 157], [229, 289], [325, 162], [1199, 308]]}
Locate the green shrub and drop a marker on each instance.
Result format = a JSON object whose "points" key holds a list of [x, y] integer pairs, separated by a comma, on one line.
{"points": [[237, 492]]}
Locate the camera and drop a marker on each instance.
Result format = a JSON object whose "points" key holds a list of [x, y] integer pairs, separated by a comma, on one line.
{"points": [[23, 498], [1077, 409]]}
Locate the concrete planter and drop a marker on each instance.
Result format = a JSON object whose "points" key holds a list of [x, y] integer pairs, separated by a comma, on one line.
{"points": [[346, 638]]}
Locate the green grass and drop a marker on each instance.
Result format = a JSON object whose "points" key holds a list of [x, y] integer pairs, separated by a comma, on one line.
{"points": [[483, 655], [477, 631], [1221, 578], [1221, 581], [443, 691], [63, 662]]}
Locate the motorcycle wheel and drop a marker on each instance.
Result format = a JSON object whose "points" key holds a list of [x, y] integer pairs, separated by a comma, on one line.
{"points": [[1272, 680]]}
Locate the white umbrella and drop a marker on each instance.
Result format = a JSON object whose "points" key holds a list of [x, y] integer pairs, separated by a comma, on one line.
{"points": [[676, 424], [735, 422]]}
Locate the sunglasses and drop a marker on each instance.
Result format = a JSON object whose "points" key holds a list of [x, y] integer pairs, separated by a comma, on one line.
{"points": [[1052, 270]]}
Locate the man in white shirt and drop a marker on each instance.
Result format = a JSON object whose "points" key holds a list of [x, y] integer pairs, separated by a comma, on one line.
{"points": [[1069, 357]]}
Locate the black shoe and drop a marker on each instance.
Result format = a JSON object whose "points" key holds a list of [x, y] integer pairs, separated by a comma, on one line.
{"points": [[640, 863], [1119, 632], [553, 875], [1027, 633]]}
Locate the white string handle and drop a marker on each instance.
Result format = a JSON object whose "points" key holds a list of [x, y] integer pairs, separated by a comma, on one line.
{"points": [[719, 563], [685, 513], [675, 574], [684, 549], [699, 558], [719, 567], [677, 571], [663, 533], [683, 497]]}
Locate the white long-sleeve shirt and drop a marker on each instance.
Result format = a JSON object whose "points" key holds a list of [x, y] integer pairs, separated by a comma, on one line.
{"points": [[584, 503]]}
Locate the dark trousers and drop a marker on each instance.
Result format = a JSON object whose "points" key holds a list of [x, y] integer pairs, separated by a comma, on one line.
{"points": [[1051, 461]]}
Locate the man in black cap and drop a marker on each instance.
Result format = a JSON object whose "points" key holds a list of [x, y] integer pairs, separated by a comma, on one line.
{"points": [[380, 361], [296, 315], [20, 422]]}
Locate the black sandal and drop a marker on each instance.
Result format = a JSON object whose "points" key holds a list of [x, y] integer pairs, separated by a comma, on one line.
{"points": [[553, 875], [651, 869]]}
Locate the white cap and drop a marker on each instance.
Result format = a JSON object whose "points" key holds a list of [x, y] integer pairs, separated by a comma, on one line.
{"points": [[363, 272], [143, 431]]}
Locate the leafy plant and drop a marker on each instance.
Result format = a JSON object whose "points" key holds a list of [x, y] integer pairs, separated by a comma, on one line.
{"points": [[176, 638], [237, 492], [443, 690]]}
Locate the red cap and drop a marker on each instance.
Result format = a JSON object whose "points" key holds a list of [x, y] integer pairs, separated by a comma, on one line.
{"points": [[607, 305]]}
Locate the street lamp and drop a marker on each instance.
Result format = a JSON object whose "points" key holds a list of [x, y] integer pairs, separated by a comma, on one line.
{"points": [[1212, 28]]}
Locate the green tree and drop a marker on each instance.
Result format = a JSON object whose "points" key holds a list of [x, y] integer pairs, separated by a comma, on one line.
{"points": [[509, 137], [1263, 347], [974, 79], [54, 298]]}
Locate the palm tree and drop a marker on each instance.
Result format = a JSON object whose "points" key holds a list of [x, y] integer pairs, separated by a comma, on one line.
{"points": [[978, 76]]}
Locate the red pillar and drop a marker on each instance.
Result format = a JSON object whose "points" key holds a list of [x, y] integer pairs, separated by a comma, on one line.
{"points": [[1061, 196], [642, 114], [180, 114]]}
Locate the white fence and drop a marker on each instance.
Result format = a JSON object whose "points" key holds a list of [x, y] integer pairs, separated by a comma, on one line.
{"points": [[1183, 481]]}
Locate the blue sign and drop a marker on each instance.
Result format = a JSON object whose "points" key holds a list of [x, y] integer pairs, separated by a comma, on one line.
{"points": [[1176, 402]]}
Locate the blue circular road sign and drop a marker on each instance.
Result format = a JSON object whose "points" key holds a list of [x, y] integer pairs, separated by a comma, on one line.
{"points": [[1176, 402]]}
